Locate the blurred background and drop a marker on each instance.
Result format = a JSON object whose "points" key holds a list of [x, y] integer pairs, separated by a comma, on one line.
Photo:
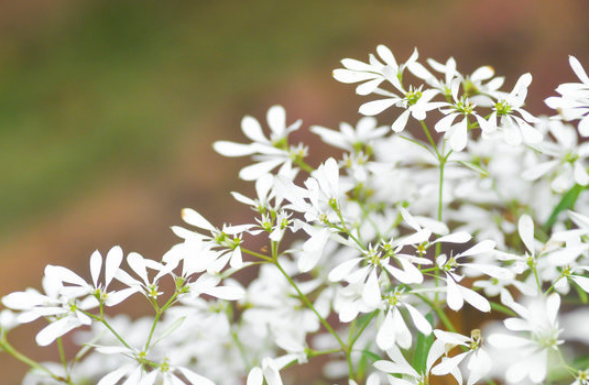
{"points": [[108, 109]]}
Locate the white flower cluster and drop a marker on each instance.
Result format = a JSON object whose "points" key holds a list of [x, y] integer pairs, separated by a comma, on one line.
{"points": [[362, 258]]}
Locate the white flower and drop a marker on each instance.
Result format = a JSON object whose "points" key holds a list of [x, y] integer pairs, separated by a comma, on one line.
{"points": [[352, 139], [457, 133], [393, 329], [515, 129], [270, 152], [573, 104], [539, 322], [479, 361], [64, 313], [567, 165]]}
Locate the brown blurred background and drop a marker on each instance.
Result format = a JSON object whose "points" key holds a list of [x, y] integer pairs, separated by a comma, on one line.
{"points": [[108, 109]]}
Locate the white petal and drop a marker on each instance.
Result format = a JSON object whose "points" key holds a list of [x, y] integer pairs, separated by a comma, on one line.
{"points": [[400, 123], [581, 176], [458, 237], [458, 136], [55, 330], [480, 248], [552, 306], [252, 129], [232, 149], [385, 338], [113, 377], [475, 299], [113, 262], [371, 293], [95, 267], [525, 227], [276, 117], [64, 275], [196, 379], [313, 250], [421, 323], [445, 123], [228, 293], [578, 69], [375, 107], [195, 219], [453, 296], [449, 364], [339, 272], [257, 170], [479, 365], [507, 341], [255, 376], [583, 282]]}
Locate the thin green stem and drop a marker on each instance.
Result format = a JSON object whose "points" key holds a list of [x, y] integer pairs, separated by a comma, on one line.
{"points": [[8, 348], [430, 138], [241, 349], [257, 255], [443, 317], [327, 326], [502, 309], [62, 356], [353, 341], [302, 164]]}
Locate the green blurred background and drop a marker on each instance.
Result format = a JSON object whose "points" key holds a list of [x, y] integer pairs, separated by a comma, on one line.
{"points": [[108, 109]]}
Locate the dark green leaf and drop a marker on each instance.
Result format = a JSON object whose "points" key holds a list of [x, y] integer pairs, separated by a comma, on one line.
{"points": [[566, 202], [424, 343]]}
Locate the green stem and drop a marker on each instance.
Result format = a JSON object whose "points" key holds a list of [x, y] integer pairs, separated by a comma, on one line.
{"points": [[257, 255], [353, 341], [429, 137], [62, 356], [8, 348], [502, 309], [302, 164], [327, 326], [443, 317]]}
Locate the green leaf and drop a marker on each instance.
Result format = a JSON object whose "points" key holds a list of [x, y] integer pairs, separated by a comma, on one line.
{"points": [[567, 202], [475, 167], [363, 364], [422, 347], [373, 356]]}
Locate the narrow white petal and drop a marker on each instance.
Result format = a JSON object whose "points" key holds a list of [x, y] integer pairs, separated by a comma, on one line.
{"points": [[196, 379], [479, 365], [449, 364], [257, 170], [339, 272], [55, 330], [480, 248], [458, 237], [371, 293], [475, 299], [313, 250], [525, 227], [95, 267], [385, 338], [453, 296], [195, 219], [375, 107], [228, 293], [64, 275], [232, 149], [421, 323], [578, 69], [113, 262]]}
